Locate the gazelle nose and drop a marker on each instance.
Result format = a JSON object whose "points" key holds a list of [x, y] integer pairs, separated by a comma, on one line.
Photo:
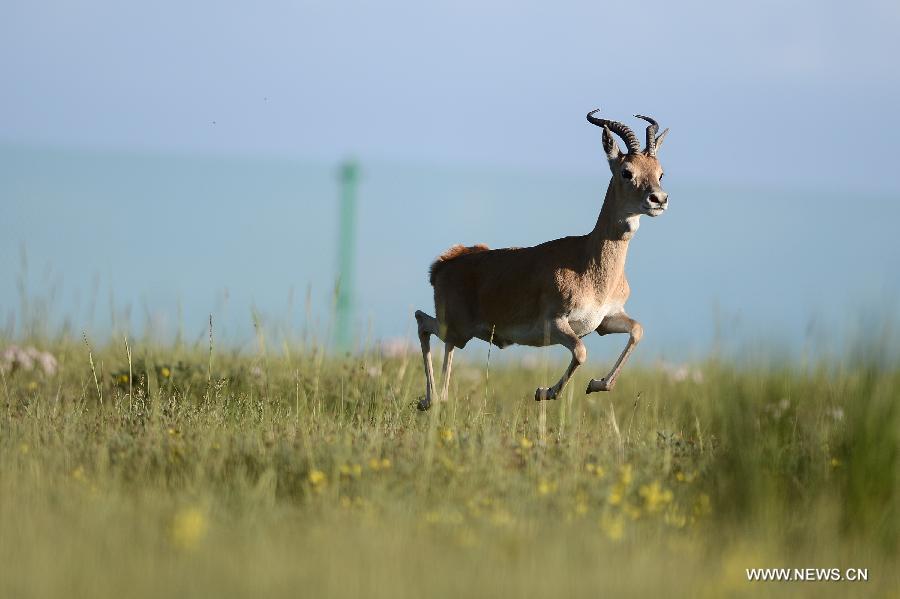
{"points": [[659, 197]]}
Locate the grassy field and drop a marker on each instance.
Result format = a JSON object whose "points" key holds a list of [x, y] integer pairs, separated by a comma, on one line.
{"points": [[299, 474]]}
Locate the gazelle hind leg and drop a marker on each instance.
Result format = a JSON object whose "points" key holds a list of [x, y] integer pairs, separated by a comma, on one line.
{"points": [[618, 323], [563, 334], [428, 326], [445, 371]]}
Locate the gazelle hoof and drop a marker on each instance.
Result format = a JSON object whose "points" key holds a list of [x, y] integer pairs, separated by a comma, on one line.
{"points": [[423, 405], [601, 385], [544, 394]]}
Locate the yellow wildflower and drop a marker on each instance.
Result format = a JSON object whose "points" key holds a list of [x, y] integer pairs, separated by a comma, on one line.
{"points": [[351, 470], [616, 493], [683, 477], [446, 435], [546, 487], [382, 464], [835, 463], [188, 528], [526, 443], [596, 470], [316, 478], [165, 372], [32, 386], [612, 526], [655, 496]]}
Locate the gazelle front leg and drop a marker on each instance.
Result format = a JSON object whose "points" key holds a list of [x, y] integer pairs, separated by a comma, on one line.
{"points": [[562, 333], [428, 326], [617, 323]]}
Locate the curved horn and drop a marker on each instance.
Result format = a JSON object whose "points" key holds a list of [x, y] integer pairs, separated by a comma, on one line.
{"points": [[652, 128], [622, 130]]}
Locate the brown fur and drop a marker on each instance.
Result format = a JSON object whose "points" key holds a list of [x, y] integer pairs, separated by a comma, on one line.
{"points": [[450, 254], [552, 293]]}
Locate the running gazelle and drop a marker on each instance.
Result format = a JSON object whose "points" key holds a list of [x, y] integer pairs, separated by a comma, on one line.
{"points": [[555, 292]]}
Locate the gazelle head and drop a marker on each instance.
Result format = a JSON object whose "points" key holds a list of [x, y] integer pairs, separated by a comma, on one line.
{"points": [[636, 175]]}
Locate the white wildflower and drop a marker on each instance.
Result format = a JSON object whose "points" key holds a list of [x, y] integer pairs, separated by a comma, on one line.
{"points": [[17, 358]]}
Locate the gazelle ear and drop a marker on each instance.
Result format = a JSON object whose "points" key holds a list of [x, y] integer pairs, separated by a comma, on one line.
{"points": [[609, 144], [661, 137]]}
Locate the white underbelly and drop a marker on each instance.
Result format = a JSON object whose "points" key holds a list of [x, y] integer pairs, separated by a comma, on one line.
{"points": [[585, 319]]}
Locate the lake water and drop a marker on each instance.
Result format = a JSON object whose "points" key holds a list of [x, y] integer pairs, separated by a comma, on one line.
{"points": [[155, 243]]}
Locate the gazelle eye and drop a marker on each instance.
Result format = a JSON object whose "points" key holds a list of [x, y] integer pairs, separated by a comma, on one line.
{"points": [[626, 174]]}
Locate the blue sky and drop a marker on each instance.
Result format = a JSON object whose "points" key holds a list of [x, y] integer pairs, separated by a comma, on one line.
{"points": [[792, 103], [471, 82]]}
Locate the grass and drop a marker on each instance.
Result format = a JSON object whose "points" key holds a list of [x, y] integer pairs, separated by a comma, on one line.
{"points": [[227, 474]]}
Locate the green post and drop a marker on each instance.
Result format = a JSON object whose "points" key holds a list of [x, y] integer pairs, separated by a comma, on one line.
{"points": [[348, 176]]}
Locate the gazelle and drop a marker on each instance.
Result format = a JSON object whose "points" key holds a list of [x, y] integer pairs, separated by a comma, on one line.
{"points": [[555, 292]]}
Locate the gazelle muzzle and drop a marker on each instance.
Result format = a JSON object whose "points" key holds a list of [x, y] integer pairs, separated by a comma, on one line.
{"points": [[656, 203]]}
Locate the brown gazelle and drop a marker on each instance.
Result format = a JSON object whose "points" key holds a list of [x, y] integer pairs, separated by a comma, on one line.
{"points": [[555, 292]]}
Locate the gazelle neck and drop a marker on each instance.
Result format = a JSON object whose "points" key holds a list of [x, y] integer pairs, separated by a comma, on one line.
{"points": [[612, 225], [607, 244]]}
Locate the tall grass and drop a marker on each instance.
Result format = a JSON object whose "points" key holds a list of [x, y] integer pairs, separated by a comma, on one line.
{"points": [[300, 474]]}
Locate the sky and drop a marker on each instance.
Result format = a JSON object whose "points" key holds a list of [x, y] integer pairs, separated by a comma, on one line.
{"points": [[758, 91], [214, 129]]}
